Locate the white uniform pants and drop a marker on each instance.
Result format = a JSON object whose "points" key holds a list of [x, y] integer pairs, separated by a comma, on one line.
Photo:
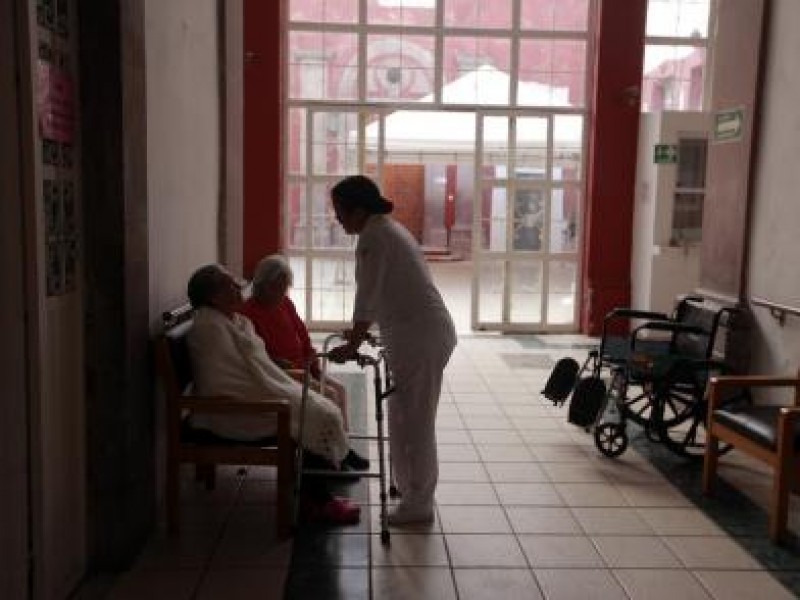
{"points": [[417, 376]]}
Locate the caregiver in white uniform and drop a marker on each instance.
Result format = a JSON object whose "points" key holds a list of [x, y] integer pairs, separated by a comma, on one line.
{"points": [[394, 289]]}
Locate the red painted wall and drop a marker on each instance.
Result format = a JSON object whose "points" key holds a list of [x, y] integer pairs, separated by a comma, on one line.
{"points": [[263, 158], [612, 159]]}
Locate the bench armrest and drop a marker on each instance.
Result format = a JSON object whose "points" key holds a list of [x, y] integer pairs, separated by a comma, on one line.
{"points": [[721, 382], [758, 381], [231, 405]]}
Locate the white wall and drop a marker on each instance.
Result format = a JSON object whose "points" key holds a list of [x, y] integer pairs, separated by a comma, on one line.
{"points": [[183, 144], [774, 259]]}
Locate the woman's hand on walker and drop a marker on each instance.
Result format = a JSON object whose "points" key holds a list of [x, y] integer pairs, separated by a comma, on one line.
{"points": [[343, 353]]}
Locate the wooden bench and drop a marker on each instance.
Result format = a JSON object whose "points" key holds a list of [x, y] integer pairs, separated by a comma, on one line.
{"points": [[174, 368], [770, 434]]}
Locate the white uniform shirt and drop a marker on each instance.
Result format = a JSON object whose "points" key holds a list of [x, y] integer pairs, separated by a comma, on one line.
{"points": [[394, 285]]}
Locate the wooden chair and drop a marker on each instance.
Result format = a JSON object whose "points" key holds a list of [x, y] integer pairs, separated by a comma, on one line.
{"points": [[768, 433], [175, 371]]}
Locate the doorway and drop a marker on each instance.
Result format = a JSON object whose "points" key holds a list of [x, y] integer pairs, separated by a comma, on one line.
{"points": [[493, 198]]}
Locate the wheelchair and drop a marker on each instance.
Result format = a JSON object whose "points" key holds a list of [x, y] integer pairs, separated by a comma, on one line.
{"points": [[655, 376]]}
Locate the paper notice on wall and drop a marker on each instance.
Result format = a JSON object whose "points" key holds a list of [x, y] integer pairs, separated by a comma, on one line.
{"points": [[728, 125], [55, 103]]}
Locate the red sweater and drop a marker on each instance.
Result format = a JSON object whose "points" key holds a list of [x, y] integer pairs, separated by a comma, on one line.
{"points": [[283, 331]]}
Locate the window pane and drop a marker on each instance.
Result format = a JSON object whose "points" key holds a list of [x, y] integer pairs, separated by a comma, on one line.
{"points": [[400, 67], [326, 233], [555, 15], [562, 277], [335, 143], [490, 291], [296, 210], [678, 18], [526, 292], [565, 204], [298, 290], [476, 70], [495, 147], [322, 65], [417, 13], [673, 78], [567, 147], [483, 14], [333, 282], [528, 219], [551, 73], [323, 11], [531, 147], [494, 218], [296, 148]]}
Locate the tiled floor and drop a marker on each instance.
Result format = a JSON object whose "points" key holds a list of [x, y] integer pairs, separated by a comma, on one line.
{"points": [[526, 508]]}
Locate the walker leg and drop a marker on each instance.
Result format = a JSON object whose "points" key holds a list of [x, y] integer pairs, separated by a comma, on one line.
{"points": [[385, 535]]}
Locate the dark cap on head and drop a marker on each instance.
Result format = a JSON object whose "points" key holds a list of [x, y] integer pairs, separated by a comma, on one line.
{"points": [[358, 191]]}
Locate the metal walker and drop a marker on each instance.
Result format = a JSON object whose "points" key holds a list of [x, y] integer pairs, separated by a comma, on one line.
{"points": [[382, 388]]}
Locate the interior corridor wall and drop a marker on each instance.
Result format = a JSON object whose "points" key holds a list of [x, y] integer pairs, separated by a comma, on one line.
{"points": [[183, 144], [14, 501], [772, 268]]}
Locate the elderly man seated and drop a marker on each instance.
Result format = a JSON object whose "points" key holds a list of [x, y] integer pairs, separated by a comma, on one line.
{"points": [[229, 359]]}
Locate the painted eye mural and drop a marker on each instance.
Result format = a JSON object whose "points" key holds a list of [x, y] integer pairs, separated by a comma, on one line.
{"points": [[399, 68]]}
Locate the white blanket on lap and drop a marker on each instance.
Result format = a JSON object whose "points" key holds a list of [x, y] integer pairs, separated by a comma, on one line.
{"points": [[229, 359]]}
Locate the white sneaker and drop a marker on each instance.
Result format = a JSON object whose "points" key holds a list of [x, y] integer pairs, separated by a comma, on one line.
{"points": [[406, 514]]}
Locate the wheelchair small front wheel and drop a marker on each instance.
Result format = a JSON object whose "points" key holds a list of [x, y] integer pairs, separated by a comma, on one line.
{"points": [[611, 439]]}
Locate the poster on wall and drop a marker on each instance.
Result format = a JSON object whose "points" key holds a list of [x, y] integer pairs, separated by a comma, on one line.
{"points": [[55, 104], [728, 125]]}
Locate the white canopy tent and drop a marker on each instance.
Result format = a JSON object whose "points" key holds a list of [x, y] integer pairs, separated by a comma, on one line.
{"points": [[426, 132]]}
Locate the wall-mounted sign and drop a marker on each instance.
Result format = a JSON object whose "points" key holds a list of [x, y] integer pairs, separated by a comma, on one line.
{"points": [[665, 154], [728, 125]]}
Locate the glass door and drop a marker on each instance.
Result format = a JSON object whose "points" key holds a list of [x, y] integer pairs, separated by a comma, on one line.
{"points": [[525, 226]]}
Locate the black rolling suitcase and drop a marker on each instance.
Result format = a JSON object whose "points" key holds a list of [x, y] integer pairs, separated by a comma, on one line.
{"points": [[561, 381]]}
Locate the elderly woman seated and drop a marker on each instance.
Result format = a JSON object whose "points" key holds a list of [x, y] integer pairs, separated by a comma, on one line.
{"points": [[229, 359], [276, 321], [285, 336]]}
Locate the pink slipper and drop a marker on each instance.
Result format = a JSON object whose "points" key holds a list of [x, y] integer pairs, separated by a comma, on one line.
{"points": [[336, 511]]}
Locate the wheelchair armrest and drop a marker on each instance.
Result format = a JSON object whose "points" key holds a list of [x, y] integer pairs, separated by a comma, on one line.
{"points": [[632, 313], [668, 326], [628, 314]]}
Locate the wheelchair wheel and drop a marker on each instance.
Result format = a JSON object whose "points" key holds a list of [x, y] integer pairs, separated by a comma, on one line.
{"points": [[688, 438], [638, 405], [611, 439]]}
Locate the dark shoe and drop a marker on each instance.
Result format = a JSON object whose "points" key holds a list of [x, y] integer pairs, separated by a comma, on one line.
{"points": [[355, 462]]}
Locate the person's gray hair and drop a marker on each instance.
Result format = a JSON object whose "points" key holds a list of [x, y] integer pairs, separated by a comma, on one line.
{"points": [[203, 284], [270, 269]]}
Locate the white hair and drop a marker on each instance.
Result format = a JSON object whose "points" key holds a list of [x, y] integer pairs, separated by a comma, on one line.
{"points": [[270, 269]]}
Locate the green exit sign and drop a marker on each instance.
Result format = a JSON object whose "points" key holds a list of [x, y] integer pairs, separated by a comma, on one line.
{"points": [[665, 154]]}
